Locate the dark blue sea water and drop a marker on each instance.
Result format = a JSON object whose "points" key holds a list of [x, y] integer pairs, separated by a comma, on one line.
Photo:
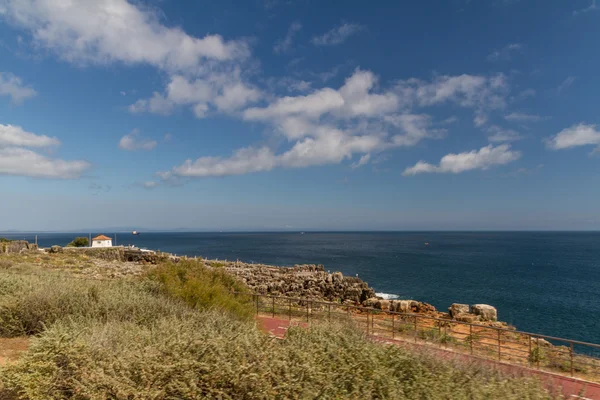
{"points": [[547, 283]]}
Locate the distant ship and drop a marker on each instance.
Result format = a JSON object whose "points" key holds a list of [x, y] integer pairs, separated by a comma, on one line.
{"points": [[135, 233]]}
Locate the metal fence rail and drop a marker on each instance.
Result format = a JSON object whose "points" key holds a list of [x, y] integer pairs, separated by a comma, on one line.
{"points": [[553, 354]]}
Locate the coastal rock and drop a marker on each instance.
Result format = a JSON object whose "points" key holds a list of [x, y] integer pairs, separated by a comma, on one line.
{"points": [[303, 281], [424, 308], [406, 305], [55, 249], [370, 302], [467, 317], [383, 305], [541, 342], [457, 309], [485, 311]]}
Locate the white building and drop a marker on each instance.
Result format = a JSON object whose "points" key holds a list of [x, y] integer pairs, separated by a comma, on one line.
{"points": [[101, 241]]}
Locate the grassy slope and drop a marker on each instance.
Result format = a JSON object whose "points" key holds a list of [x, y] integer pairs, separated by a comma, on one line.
{"points": [[141, 339]]}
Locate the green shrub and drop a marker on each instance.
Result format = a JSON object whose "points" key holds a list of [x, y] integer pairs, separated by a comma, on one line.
{"points": [[79, 242], [29, 303], [203, 287], [212, 355]]}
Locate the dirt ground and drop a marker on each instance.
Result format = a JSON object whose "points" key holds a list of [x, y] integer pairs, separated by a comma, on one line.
{"points": [[11, 349]]}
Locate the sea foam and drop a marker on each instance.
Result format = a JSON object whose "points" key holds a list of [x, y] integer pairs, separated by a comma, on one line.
{"points": [[387, 296]]}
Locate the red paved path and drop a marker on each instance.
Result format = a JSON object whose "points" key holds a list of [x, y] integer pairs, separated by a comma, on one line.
{"points": [[570, 386]]}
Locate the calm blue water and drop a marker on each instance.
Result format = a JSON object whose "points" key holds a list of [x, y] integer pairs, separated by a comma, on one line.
{"points": [[547, 283]]}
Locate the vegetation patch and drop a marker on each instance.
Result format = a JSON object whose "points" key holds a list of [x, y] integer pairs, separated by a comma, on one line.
{"points": [[203, 287]]}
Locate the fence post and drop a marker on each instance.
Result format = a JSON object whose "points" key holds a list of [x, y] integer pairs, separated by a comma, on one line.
{"points": [[273, 300], [329, 312], [367, 322], [307, 317], [372, 327], [439, 333], [530, 358], [538, 352], [416, 328], [471, 338], [499, 356], [290, 310], [571, 351], [256, 298], [393, 327]]}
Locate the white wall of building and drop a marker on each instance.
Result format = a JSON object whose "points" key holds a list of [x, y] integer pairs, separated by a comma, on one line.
{"points": [[101, 243]]}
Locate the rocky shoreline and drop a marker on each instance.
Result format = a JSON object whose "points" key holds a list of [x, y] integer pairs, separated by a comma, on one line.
{"points": [[313, 282], [307, 281]]}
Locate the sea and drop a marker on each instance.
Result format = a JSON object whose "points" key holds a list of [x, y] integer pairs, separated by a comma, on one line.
{"points": [[540, 282]]}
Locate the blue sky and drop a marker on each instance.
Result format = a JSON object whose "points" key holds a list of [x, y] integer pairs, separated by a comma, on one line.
{"points": [[298, 115]]}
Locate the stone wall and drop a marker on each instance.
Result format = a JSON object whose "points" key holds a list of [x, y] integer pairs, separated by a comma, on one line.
{"points": [[17, 246]]}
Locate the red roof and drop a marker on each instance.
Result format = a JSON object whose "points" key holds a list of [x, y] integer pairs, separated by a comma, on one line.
{"points": [[101, 237]]}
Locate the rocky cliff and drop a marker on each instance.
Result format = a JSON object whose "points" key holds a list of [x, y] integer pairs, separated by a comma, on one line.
{"points": [[305, 281]]}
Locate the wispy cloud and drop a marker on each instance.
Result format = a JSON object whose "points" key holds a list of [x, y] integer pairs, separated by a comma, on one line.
{"points": [[133, 141], [591, 7], [498, 134], [505, 53], [481, 159], [565, 84], [337, 35], [12, 86], [285, 44], [523, 117]]}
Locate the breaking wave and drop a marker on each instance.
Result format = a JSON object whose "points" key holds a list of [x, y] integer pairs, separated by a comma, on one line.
{"points": [[387, 296]]}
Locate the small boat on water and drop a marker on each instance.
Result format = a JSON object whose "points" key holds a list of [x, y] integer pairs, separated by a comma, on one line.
{"points": [[135, 233]]}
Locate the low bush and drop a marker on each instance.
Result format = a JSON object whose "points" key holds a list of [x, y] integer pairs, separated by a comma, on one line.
{"points": [[203, 287], [30, 302], [212, 355], [79, 242]]}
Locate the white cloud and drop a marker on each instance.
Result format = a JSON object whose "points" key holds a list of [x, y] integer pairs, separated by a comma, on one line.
{"points": [[505, 53], [222, 91], [15, 136], [120, 31], [329, 126], [574, 136], [522, 117], [498, 134], [481, 159], [413, 127], [17, 159], [465, 90], [24, 162], [104, 31], [168, 137], [353, 99], [471, 91], [589, 8], [157, 104], [362, 161], [12, 86], [565, 84], [284, 44], [241, 162], [337, 35], [132, 141]]}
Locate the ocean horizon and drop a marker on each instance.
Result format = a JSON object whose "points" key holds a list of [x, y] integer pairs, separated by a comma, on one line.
{"points": [[546, 282]]}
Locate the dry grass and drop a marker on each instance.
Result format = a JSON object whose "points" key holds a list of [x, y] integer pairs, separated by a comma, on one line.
{"points": [[213, 356], [141, 339]]}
